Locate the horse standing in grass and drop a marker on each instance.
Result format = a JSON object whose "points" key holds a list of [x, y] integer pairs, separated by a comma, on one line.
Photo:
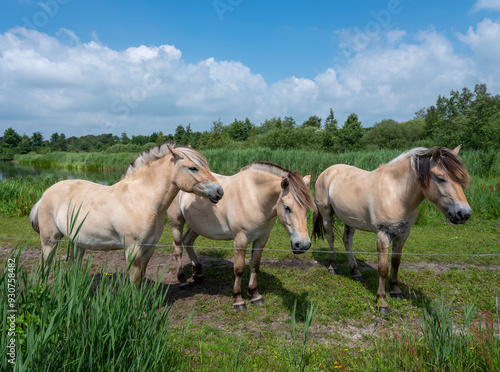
{"points": [[253, 199], [385, 202], [128, 215]]}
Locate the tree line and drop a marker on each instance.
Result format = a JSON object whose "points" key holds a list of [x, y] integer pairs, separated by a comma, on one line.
{"points": [[471, 118]]}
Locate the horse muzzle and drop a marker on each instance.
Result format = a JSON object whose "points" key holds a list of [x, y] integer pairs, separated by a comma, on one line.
{"points": [[214, 192], [458, 213], [299, 247]]}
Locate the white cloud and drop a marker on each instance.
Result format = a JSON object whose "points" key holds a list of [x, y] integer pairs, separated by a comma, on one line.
{"points": [[78, 88], [484, 43], [487, 5]]}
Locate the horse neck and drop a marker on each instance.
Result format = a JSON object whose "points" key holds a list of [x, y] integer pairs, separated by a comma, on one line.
{"points": [[268, 187], [154, 182], [411, 193]]}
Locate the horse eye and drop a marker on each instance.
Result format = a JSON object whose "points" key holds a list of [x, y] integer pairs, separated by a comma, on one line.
{"points": [[288, 209], [440, 180], [193, 169]]}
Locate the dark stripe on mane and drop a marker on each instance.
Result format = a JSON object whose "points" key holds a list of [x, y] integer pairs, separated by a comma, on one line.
{"points": [[159, 151], [448, 160], [298, 187]]}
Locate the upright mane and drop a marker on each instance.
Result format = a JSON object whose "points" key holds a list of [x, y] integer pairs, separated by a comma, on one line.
{"points": [[421, 159], [159, 151], [298, 187]]}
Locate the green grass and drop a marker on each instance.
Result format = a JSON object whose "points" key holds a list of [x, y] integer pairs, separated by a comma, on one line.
{"points": [[441, 276], [346, 331], [78, 320]]}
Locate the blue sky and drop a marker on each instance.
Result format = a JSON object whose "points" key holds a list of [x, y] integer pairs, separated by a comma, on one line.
{"points": [[90, 67]]}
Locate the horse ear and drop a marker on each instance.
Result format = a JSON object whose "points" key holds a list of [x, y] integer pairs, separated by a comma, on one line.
{"points": [[456, 149], [176, 154], [307, 179], [285, 183], [436, 154]]}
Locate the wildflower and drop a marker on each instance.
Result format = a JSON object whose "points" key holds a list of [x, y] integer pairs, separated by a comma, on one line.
{"points": [[472, 348]]}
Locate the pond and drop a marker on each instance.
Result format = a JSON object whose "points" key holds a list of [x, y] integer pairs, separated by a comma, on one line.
{"points": [[10, 169]]}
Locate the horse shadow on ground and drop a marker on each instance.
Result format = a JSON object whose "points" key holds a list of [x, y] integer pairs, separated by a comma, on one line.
{"points": [[370, 274], [218, 281]]}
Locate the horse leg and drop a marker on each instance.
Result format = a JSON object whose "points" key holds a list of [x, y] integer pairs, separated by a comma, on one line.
{"points": [[383, 269], [76, 253], [257, 249], [397, 249], [189, 238], [50, 242], [177, 228], [136, 259], [348, 241], [240, 245], [328, 219]]}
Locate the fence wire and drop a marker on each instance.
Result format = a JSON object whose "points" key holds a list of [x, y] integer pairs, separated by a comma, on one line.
{"points": [[324, 250]]}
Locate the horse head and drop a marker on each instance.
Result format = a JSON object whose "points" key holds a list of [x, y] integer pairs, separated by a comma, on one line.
{"points": [[192, 174], [443, 182], [294, 202]]}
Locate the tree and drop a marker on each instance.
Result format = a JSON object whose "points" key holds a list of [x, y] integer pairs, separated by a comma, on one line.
{"points": [[124, 138], [9, 144], [351, 133], [179, 134], [331, 140], [313, 121], [240, 130], [465, 117], [161, 138], [217, 137], [10, 138], [36, 140]]}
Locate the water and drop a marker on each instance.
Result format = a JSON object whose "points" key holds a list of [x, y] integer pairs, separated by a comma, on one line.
{"points": [[10, 169]]}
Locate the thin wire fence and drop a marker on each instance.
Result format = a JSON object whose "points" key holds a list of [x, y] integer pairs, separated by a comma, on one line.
{"points": [[324, 250]]}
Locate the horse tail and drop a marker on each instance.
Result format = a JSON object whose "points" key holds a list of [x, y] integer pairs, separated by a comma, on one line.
{"points": [[318, 231], [34, 217]]}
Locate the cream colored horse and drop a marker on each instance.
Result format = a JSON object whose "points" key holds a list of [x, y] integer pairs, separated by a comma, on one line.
{"points": [[385, 202], [128, 215], [253, 199]]}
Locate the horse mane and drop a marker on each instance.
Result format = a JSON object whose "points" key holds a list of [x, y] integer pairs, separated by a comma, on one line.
{"points": [[420, 160], [159, 151], [299, 189]]}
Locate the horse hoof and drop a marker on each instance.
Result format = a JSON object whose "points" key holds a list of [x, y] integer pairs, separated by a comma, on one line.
{"points": [[384, 310], [397, 296], [360, 279], [258, 302], [198, 279], [332, 271], [241, 307], [184, 286]]}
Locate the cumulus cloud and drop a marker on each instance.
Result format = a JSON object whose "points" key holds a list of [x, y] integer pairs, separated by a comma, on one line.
{"points": [[484, 43], [59, 84], [487, 5]]}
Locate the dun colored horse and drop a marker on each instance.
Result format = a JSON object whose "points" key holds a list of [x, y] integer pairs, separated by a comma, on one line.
{"points": [[128, 215], [253, 199], [385, 202]]}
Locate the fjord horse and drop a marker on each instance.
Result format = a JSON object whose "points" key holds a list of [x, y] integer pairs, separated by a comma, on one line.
{"points": [[253, 199], [128, 215], [385, 202]]}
